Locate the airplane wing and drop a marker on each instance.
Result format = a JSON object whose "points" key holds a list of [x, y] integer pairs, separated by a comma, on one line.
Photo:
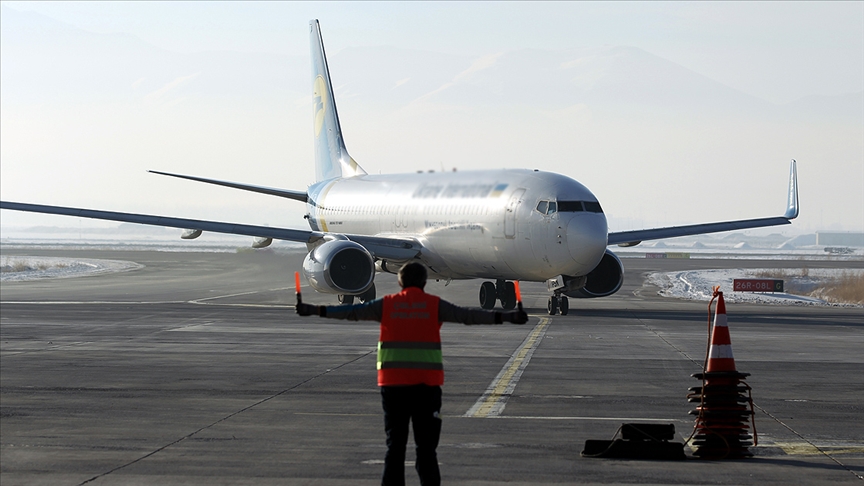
{"points": [[379, 247], [633, 238], [296, 195]]}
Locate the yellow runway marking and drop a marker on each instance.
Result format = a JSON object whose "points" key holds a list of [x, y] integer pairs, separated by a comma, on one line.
{"points": [[493, 401], [805, 449], [801, 448]]}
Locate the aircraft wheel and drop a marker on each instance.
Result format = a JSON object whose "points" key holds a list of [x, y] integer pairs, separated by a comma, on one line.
{"points": [[564, 305], [487, 295], [369, 295], [552, 306], [345, 299], [509, 300]]}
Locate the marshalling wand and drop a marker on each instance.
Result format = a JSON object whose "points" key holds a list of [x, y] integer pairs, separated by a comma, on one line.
{"points": [[515, 287]]}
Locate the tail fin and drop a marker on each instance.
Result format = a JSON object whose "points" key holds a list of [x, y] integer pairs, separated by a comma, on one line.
{"points": [[331, 157]]}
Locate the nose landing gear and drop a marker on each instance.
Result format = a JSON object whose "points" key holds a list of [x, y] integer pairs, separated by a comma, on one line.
{"points": [[500, 290], [558, 302]]}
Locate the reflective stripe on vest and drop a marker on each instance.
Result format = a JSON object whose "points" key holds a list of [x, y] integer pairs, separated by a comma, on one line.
{"points": [[413, 355], [409, 349]]}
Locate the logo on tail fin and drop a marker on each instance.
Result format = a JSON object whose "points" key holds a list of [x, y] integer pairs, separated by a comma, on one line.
{"points": [[320, 103]]}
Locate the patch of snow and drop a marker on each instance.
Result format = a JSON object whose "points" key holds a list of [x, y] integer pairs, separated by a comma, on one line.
{"points": [[24, 268], [727, 252], [698, 285]]}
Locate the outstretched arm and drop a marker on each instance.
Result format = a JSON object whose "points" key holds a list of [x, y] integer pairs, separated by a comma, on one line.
{"points": [[370, 311], [448, 312]]}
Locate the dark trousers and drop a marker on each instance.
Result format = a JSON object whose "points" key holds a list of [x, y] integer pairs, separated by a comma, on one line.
{"points": [[420, 404]]}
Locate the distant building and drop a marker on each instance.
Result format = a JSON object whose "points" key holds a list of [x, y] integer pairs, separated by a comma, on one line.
{"points": [[833, 238]]}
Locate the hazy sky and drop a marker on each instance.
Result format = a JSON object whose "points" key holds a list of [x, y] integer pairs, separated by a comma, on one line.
{"points": [[62, 147], [778, 51]]}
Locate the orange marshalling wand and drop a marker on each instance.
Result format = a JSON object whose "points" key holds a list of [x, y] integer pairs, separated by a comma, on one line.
{"points": [[297, 285], [518, 295]]}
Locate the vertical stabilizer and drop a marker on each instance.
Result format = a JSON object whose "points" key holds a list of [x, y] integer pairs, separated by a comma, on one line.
{"points": [[331, 157]]}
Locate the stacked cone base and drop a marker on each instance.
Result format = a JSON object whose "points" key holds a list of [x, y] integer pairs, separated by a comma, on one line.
{"points": [[722, 416]]}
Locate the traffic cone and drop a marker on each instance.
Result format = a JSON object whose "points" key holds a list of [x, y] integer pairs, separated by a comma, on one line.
{"points": [[720, 355], [721, 429]]}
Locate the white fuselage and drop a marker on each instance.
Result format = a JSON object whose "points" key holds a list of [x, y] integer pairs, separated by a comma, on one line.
{"points": [[475, 224]]}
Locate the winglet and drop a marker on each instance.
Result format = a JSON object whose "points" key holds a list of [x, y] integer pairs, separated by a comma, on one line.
{"points": [[792, 204], [331, 156]]}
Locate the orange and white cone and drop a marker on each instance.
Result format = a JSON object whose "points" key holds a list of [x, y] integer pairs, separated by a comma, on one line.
{"points": [[720, 356], [721, 429]]}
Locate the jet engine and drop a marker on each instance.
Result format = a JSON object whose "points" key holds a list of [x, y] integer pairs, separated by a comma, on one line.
{"points": [[605, 279], [339, 267]]}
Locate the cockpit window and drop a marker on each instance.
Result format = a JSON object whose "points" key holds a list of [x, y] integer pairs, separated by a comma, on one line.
{"points": [[542, 206], [547, 207], [574, 206], [552, 207], [570, 206], [594, 207]]}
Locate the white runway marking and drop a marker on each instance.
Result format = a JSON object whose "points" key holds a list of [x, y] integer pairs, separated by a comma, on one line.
{"points": [[201, 301], [494, 399], [207, 300], [603, 419], [376, 462], [227, 296], [100, 302]]}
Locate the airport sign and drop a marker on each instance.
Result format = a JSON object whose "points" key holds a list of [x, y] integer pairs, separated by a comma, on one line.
{"points": [[757, 285]]}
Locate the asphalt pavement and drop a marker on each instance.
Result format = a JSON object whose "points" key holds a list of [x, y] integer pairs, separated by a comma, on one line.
{"points": [[195, 370]]}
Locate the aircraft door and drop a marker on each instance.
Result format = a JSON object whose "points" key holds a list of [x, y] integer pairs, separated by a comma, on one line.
{"points": [[510, 213], [543, 223]]}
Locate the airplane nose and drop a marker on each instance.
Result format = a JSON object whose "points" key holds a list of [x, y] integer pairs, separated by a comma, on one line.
{"points": [[586, 237]]}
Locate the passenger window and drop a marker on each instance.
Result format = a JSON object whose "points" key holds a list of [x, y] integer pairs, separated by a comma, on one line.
{"points": [[542, 206], [553, 207]]}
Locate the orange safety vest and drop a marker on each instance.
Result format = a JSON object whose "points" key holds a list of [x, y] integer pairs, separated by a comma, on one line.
{"points": [[409, 349]]}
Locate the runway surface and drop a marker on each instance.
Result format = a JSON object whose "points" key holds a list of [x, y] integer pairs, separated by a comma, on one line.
{"points": [[195, 370]]}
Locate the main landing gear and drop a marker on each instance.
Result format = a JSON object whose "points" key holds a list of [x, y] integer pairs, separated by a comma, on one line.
{"points": [[500, 290], [558, 303], [367, 296]]}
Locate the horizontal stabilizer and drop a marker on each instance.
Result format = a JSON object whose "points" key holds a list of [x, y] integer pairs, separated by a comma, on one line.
{"points": [[296, 195]]}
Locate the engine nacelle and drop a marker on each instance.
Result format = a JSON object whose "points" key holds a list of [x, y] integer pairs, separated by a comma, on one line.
{"points": [[339, 267], [605, 279]]}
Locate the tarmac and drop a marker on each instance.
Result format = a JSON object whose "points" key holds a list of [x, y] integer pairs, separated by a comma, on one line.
{"points": [[195, 370]]}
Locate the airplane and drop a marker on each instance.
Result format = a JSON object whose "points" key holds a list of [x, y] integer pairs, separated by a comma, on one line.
{"points": [[498, 225]]}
